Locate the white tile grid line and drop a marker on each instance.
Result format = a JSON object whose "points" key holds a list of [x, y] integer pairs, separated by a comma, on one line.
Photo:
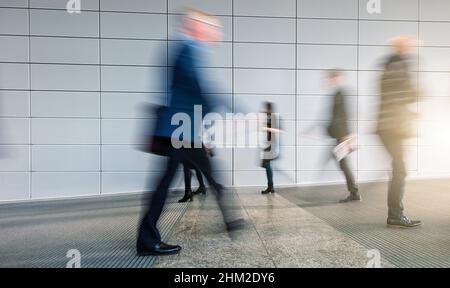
{"points": [[296, 92], [357, 90], [175, 8], [233, 66], [30, 112], [232, 90], [418, 87], [100, 188], [236, 16]]}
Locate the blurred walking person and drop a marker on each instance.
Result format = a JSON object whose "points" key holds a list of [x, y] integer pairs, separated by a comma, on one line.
{"points": [[188, 193], [338, 129], [188, 91], [395, 124], [187, 170], [271, 151]]}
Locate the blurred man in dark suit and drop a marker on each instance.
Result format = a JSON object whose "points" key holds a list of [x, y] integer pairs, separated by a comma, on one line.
{"points": [[188, 93]]}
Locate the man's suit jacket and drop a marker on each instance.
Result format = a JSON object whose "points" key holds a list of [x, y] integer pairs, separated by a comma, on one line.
{"points": [[397, 93], [187, 89], [338, 126]]}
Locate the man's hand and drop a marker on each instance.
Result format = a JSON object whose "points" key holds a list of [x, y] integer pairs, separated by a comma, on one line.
{"points": [[273, 130]]}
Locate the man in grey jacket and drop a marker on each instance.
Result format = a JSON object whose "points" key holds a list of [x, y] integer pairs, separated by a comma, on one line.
{"points": [[395, 124]]}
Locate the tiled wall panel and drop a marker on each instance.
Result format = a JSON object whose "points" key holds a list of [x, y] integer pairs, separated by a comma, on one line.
{"points": [[75, 88]]}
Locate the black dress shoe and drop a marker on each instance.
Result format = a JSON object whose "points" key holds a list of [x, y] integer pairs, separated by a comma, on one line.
{"points": [[268, 190], [188, 196], [403, 222], [351, 197], [160, 249], [200, 190]]}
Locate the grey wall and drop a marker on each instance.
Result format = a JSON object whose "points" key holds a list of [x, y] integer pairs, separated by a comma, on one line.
{"points": [[71, 86]]}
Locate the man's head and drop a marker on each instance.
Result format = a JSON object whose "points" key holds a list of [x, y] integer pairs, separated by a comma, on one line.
{"points": [[202, 26], [402, 44], [334, 77]]}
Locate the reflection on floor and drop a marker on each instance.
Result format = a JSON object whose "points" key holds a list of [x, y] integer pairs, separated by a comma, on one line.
{"points": [[296, 227], [103, 230], [280, 235], [427, 246]]}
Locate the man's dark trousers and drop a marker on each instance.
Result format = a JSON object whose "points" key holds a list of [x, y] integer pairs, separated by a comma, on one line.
{"points": [[148, 234], [350, 180], [394, 146]]}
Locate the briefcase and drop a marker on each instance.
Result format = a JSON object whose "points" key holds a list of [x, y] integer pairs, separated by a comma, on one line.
{"points": [[159, 145], [154, 144]]}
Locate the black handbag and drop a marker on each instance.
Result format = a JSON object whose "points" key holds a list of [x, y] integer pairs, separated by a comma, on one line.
{"points": [[159, 145]]}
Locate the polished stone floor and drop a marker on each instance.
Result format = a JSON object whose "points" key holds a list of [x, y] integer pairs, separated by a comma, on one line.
{"points": [[427, 200], [296, 227], [307, 227], [280, 234]]}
